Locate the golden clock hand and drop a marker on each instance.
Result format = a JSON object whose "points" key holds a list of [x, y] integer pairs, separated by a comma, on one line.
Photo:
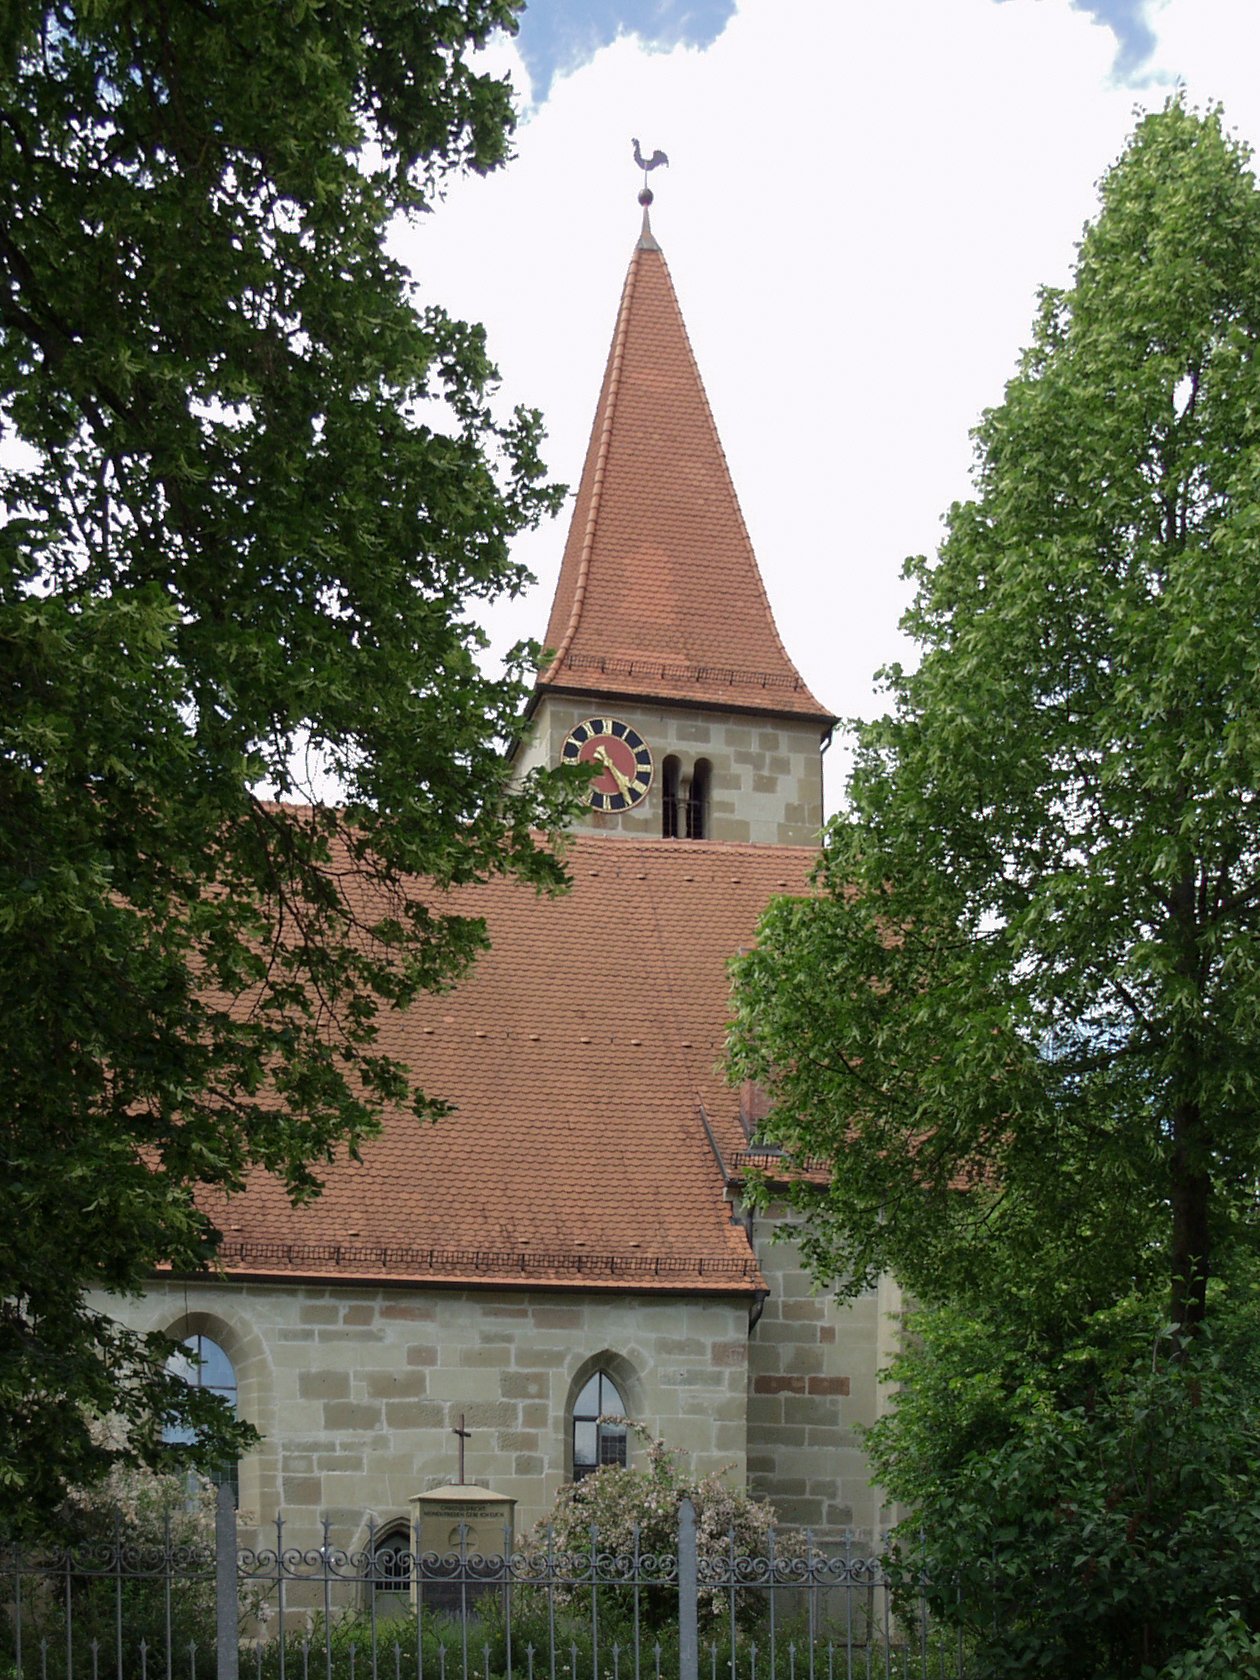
{"points": [[619, 776]]}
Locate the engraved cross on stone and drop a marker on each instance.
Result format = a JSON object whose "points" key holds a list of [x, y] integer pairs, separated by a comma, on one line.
{"points": [[463, 1436]]}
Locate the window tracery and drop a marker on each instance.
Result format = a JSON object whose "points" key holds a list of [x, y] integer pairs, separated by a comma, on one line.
{"points": [[597, 1438]]}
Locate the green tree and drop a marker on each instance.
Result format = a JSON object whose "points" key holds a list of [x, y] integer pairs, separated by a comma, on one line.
{"points": [[249, 488], [1016, 1033], [1020, 1021], [1081, 1510]]}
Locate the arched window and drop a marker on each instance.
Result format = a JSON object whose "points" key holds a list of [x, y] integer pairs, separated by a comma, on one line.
{"points": [[698, 801], [391, 1559], [202, 1363], [671, 803], [596, 1441]]}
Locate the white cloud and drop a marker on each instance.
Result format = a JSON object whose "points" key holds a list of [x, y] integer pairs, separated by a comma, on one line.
{"points": [[1213, 47], [861, 204]]}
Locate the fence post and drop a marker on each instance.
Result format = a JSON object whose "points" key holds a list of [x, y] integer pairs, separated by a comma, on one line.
{"points": [[688, 1632], [226, 1632]]}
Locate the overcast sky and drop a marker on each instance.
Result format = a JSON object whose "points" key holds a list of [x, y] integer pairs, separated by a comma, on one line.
{"points": [[861, 203]]}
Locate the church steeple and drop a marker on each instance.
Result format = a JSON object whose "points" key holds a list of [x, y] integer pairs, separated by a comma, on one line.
{"points": [[659, 593], [660, 618]]}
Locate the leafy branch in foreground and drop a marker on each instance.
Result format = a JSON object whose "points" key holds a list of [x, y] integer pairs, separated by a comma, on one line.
{"points": [[251, 485]]}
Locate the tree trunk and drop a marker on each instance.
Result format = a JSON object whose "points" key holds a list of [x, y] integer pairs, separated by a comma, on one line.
{"points": [[1191, 1249], [1191, 1182]]}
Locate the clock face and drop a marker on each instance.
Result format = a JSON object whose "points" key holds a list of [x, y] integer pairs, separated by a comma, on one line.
{"points": [[624, 754]]}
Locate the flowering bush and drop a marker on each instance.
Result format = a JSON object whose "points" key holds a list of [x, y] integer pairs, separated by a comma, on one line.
{"points": [[151, 1508], [635, 1512]]}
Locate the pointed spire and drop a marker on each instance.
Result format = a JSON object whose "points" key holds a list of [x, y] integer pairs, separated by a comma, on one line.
{"points": [[659, 596]]}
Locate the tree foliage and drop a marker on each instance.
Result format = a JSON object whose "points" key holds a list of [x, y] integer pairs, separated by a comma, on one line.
{"points": [[1018, 1026], [249, 487], [1089, 1510], [1021, 1018], [102, 1558]]}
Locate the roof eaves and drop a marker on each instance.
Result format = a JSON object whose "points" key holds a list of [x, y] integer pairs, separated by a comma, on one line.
{"points": [[749, 1283], [612, 690], [433, 1263], [775, 1169]]}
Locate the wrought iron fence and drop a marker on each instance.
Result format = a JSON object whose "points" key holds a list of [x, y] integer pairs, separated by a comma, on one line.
{"points": [[117, 1609]]}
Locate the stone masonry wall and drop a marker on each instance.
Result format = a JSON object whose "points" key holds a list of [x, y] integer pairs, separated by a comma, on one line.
{"points": [[766, 773], [356, 1390], [812, 1384]]}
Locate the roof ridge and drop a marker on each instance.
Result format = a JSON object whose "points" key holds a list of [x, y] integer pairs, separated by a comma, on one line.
{"points": [[768, 849], [601, 460]]}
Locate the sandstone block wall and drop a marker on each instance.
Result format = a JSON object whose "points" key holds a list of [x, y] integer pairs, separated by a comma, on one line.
{"points": [[766, 773], [812, 1384], [356, 1390]]}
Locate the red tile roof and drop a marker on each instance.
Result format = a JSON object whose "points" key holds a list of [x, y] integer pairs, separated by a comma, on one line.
{"points": [[579, 1054], [659, 594]]}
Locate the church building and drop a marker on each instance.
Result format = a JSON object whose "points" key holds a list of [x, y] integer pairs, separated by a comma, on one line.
{"points": [[570, 1244]]}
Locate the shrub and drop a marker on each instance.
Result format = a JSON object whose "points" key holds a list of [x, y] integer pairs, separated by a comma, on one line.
{"points": [[622, 1513], [1230, 1650], [1083, 1511], [160, 1530]]}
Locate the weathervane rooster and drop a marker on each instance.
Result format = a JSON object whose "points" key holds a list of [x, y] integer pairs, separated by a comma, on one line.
{"points": [[657, 158]]}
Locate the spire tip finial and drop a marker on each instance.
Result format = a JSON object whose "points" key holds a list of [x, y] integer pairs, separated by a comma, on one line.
{"points": [[645, 196]]}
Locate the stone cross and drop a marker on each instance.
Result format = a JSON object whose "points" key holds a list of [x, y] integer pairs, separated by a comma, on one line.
{"points": [[463, 1436]]}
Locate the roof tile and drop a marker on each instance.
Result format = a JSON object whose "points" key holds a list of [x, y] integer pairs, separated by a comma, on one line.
{"points": [[579, 1054]]}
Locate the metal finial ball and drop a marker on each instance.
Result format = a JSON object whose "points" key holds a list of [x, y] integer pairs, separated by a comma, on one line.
{"points": [[645, 197]]}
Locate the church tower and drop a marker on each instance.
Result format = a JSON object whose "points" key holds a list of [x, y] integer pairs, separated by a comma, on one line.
{"points": [[667, 668]]}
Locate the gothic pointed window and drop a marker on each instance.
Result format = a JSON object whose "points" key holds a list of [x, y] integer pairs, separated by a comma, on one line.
{"points": [[596, 1439]]}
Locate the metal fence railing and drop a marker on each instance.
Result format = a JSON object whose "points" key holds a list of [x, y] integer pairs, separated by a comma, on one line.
{"points": [[118, 1608]]}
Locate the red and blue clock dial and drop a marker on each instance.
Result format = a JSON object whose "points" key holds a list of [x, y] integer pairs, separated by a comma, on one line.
{"points": [[624, 758]]}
